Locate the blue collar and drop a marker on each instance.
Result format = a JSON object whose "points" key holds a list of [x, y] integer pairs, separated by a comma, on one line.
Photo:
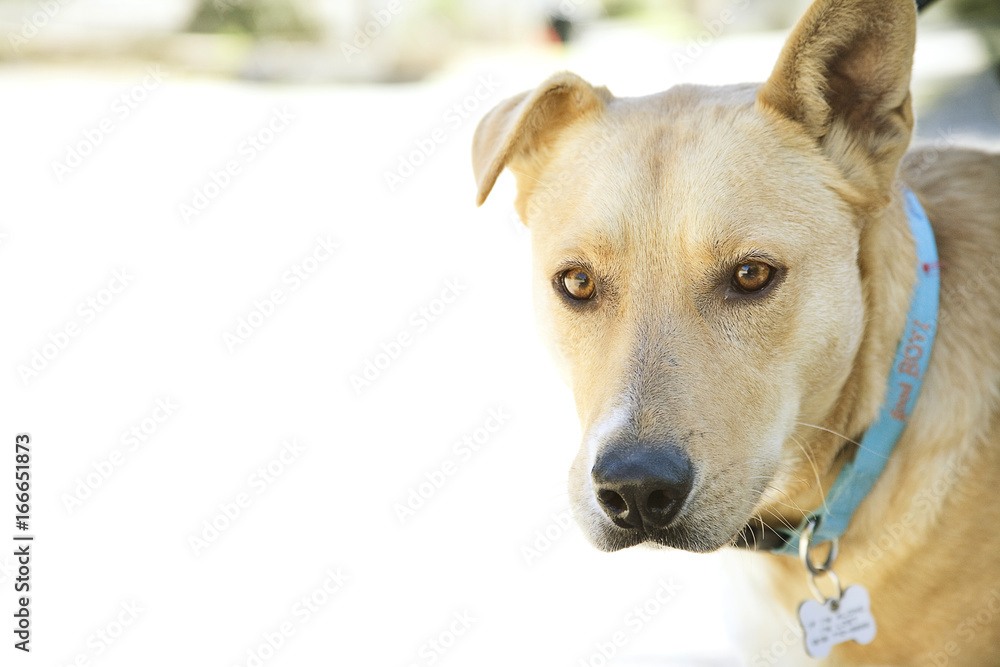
{"points": [[908, 369]]}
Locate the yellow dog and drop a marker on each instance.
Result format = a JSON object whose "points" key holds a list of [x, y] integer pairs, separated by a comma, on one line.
{"points": [[724, 276]]}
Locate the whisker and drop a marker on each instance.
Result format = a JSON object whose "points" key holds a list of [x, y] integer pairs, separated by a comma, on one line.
{"points": [[815, 469], [792, 506], [783, 521], [841, 435], [778, 517]]}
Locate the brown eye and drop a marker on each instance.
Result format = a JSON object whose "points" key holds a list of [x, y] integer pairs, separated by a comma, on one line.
{"points": [[752, 276], [578, 284]]}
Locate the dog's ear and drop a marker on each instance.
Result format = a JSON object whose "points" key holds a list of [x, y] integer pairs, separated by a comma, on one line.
{"points": [[518, 132], [844, 76]]}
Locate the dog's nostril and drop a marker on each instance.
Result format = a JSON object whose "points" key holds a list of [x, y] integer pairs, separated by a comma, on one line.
{"points": [[612, 501], [659, 502]]}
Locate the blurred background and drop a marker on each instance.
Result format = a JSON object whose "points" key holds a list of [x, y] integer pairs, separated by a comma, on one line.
{"points": [[405, 40], [261, 212], [386, 41]]}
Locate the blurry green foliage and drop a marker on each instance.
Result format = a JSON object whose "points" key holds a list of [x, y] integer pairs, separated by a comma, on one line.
{"points": [[257, 18], [977, 10]]}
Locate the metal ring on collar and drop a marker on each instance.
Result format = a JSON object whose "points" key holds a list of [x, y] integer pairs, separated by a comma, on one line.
{"points": [[804, 547], [822, 599]]}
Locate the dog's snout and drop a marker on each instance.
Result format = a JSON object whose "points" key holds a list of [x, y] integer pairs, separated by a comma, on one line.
{"points": [[642, 486]]}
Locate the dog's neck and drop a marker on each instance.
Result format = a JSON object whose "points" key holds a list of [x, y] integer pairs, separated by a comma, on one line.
{"points": [[886, 258]]}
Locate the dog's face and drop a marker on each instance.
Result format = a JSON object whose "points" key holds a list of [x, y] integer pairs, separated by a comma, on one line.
{"points": [[695, 300], [697, 273]]}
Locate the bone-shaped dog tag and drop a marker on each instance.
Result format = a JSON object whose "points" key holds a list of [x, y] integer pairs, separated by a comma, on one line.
{"points": [[833, 622]]}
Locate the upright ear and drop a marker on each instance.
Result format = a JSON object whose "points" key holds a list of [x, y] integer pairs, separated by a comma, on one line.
{"points": [[518, 132], [844, 76]]}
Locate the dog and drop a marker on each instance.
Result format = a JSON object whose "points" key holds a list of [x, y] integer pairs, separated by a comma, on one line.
{"points": [[723, 276]]}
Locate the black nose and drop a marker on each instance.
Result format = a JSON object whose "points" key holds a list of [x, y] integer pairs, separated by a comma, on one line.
{"points": [[642, 485]]}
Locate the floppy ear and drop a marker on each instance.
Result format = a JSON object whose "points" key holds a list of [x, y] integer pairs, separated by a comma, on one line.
{"points": [[518, 132], [844, 76]]}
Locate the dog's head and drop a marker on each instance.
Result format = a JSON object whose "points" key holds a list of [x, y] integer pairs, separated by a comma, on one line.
{"points": [[699, 269]]}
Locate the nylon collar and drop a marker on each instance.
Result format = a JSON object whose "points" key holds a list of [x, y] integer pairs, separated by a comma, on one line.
{"points": [[857, 477]]}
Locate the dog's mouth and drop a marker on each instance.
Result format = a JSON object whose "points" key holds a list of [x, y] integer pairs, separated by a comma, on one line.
{"points": [[685, 532], [673, 537], [754, 536]]}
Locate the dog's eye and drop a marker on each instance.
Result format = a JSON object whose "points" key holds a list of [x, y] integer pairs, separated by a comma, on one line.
{"points": [[578, 284], [752, 276]]}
